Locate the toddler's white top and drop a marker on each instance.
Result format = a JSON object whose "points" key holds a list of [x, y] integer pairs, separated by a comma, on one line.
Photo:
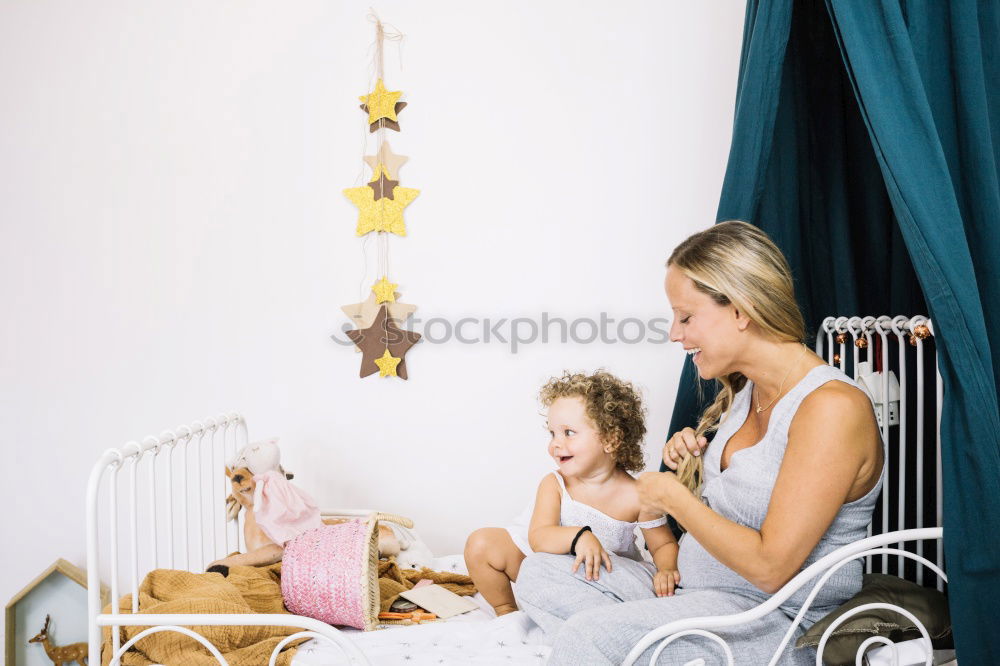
{"points": [[616, 536]]}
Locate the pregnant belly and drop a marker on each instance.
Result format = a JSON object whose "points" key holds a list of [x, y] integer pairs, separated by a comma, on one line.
{"points": [[700, 570]]}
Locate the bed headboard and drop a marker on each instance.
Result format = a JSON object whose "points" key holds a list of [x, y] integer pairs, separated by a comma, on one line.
{"points": [[896, 357], [161, 503]]}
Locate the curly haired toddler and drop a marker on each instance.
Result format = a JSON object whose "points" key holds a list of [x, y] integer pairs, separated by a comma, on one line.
{"points": [[589, 506]]}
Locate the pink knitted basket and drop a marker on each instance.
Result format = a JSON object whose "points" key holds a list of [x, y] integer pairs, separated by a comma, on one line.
{"points": [[331, 574]]}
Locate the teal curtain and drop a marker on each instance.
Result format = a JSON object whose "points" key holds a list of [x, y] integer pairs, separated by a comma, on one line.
{"points": [[866, 143]]}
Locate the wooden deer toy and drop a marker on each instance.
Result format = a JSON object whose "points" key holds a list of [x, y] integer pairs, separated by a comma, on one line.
{"points": [[61, 655]]}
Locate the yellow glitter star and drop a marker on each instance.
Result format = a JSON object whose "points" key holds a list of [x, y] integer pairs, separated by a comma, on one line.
{"points": [[384, 214], [387, 364], [381, 102], [384, 291]]}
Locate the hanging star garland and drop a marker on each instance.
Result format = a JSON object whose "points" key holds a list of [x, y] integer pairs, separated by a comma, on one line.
{"points": [[381, 103], [380, 205], [381, 340]]}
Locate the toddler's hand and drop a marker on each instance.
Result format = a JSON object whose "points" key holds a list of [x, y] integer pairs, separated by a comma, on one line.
{"points": [[590, 553], [665, 581]]}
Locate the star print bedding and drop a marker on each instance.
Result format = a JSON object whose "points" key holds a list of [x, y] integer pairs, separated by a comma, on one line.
{"points": [[476, 637]]}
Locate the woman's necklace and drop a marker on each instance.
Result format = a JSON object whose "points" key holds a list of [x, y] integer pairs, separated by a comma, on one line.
{"points": [[781, 385]]}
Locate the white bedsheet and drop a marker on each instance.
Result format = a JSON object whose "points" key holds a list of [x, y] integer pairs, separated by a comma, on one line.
{"points": [[476, 637]]}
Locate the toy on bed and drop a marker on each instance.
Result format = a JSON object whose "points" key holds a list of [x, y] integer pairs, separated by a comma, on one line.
{"points": [[334, 574], [277, 511]]}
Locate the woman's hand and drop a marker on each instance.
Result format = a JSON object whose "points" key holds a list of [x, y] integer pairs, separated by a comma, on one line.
{"points": [[657, 491], [590, 553], [681, 445], [665, 581]]}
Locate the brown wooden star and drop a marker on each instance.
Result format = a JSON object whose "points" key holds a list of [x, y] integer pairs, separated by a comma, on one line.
{"points": [[383, 334], [385, 122], [382, 186]]}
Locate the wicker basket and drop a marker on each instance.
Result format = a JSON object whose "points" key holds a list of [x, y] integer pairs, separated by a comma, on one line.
{"points": [[331, 573]]}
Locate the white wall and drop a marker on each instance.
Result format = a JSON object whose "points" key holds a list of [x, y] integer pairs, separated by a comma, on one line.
{"points": [[175, 241]]}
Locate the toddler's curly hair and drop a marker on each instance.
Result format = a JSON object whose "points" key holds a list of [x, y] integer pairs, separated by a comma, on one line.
{"points": [[614, 406]]}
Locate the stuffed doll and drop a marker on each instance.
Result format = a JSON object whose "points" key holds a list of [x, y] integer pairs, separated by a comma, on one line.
{"points": [[277, 511]]}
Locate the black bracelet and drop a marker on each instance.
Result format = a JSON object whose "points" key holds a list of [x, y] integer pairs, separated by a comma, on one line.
{"points": [[572, 546]]}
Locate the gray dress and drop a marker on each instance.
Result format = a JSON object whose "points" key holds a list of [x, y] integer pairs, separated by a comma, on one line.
{"points": [[598, 622]]}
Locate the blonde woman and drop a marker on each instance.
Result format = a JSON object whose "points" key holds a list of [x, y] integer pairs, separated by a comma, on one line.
{"points": [[793, 472]]}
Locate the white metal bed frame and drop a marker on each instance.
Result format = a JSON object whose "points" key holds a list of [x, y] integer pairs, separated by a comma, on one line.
{"points": [[174, 531], [225, 434]]}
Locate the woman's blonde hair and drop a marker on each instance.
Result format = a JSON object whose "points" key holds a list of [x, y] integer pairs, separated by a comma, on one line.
{"points": [[736, 263], [613, 405]]}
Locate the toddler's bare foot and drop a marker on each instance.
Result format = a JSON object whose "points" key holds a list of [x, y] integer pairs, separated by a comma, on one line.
{"points": [[503, 609]]}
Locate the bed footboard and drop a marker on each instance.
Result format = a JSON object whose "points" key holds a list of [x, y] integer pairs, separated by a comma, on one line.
{"points": [[179, 623]]}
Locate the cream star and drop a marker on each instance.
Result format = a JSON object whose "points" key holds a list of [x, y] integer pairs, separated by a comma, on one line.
{"points": [[381, 102], [385, 291], [387, 364], [363, 314], [383, 214], [385, 157]]}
